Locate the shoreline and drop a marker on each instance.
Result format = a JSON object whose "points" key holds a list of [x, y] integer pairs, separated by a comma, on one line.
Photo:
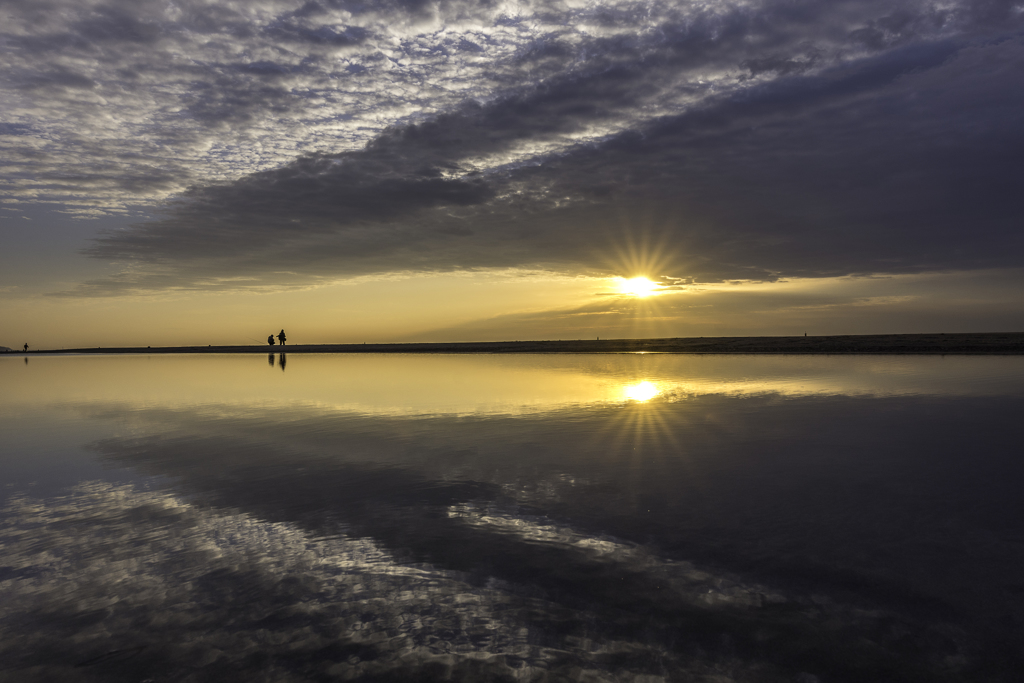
{"points": [[982, 343]]}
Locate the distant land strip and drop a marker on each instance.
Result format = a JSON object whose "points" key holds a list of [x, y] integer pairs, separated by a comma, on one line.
{"points": [[996, 343]]}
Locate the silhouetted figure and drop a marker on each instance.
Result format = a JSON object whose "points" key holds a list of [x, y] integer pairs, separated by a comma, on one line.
{"points": [[270, 359], [26, 343], [283, 361], [270, 339], [281, 338]]}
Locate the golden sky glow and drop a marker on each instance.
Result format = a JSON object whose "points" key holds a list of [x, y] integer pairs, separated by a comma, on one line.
{"points": [[514, 305]]}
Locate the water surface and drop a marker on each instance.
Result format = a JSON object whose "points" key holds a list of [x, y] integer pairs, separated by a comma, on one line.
{"points": [[535, 518]]}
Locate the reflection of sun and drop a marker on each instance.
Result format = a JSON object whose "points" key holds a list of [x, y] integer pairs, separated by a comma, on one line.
{"points": [[642, 432], [637, 286], [644, 391]]}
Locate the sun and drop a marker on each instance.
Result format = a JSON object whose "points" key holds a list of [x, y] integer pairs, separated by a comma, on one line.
{"points": [[637, 286]]}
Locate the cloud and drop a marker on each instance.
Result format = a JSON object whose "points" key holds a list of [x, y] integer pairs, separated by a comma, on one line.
{"points": [[328, 140], [967, 301], [208, 92]]}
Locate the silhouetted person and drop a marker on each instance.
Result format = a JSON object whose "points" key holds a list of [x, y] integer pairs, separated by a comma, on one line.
{"points": [[283, 361], [270, 339], [26, 343], [270, 359], [281, 338]]}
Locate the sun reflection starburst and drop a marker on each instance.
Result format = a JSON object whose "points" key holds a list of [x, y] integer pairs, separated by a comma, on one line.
{"points": [[644, 427], [641, 392]]}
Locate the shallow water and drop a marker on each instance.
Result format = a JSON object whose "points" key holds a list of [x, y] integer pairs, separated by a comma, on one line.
{"points": [[528, 518]]}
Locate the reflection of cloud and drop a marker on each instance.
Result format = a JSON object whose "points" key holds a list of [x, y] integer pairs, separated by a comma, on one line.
{"points": [[186, 590], [113, 582], [691, 584], [540, 505]]}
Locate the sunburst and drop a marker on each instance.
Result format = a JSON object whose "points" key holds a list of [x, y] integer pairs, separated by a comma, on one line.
{"points": [[638, 286]]}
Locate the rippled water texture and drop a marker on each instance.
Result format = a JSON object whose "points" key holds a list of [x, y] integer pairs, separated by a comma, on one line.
{"points": [[512, 518]]}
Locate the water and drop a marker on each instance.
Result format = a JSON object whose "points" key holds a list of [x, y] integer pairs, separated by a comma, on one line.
{"points": [[511, 518]]}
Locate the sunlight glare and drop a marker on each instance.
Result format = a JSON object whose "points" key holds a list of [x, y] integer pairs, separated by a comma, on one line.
{"points": [[637, 286], [642, 392]]}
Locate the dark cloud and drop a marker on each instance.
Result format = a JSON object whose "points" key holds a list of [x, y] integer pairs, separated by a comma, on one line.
{"points": [[903, 163], [116, 24], [211, 92], [753, 141], [60, 77], [900, 161], [15, 129], [320, 35]]}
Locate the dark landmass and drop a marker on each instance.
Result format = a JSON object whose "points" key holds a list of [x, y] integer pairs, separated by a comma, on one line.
{"points": [[997, 343]]}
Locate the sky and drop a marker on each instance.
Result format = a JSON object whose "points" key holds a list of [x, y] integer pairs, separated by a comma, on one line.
{"points": [[208, 172]]}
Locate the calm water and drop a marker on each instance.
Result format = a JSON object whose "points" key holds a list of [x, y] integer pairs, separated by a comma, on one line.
{"points": [[516, 518]]}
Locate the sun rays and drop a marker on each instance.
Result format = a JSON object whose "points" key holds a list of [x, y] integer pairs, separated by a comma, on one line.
{"points": [[644, 258]]}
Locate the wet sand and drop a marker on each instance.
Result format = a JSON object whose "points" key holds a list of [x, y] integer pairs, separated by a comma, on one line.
{"points": [[996, 343]]}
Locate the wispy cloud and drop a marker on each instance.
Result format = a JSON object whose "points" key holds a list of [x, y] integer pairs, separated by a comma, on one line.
{"points": [[333, 139], [966, 301]]}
